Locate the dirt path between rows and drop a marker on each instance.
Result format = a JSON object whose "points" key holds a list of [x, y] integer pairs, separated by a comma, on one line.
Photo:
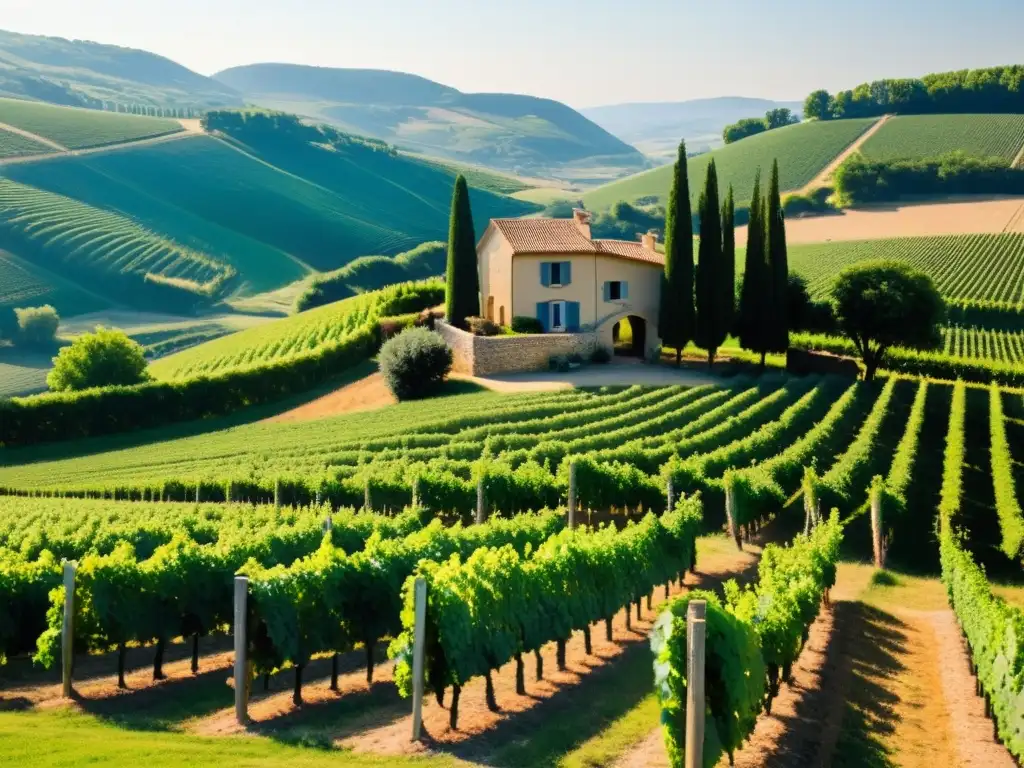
{"points": [[191, 129], [376, 720], [871, 687], [1018, 161], [34, 137], [822, 178]]}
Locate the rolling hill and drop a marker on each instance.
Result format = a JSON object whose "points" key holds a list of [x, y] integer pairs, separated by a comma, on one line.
{"points": [[177, 224], [656, 128], [802, 150], [507, 131], [82, 73]]}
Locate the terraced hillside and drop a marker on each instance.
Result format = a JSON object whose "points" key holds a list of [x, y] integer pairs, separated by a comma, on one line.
{"points": [[802, 150], [264, 215], [76, 128], [282, 339], [920, 136]]}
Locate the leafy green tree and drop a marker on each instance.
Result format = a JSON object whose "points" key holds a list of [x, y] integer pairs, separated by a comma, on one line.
{"points": [[741, 129], [818, 106], [103, 358], [713, 311], [676, 313], [778, 266], [728, 284], [882, 304], [779, 117], [37, 326], [755, 294], [462, 298]]}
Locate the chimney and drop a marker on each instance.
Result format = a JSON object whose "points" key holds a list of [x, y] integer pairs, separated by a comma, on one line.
{"points": [[650, 241], [582, 220]]}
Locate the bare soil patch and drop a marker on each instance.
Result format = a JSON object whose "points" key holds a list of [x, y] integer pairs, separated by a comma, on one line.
{"points": [[913, 219], [363, 395]]}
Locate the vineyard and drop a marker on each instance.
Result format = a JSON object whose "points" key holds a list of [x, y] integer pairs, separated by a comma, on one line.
{"points": [[983, 344], [24, 284], [920, 136], [298, 335], [802, 151], [159, 530], [101, 247], [16, 145], [979, 267], [81, 128]]}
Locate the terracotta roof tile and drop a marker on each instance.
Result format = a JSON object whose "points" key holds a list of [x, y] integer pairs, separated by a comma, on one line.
{"points": [[563, 236]]}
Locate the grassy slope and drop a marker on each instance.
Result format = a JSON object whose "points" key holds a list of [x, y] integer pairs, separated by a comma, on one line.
{"points": [[912, 136], [16, 145], [80, 128], [802, 151], [23, 284], [272, 216]]}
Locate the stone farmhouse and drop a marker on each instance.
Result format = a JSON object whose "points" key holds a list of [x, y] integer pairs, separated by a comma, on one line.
{"points": [[553, 270]]}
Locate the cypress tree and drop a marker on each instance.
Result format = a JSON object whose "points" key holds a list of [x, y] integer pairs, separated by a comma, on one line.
{"points": [[712, 310], [755, 294], [675, 312], [462, 294], [729, 259], [778, 266]]}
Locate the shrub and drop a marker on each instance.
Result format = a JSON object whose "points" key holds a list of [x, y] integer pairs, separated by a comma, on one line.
{"points": [[37, 326], [526, 324], [101, 359], [481, 326], [600, 355], [414, 363]]}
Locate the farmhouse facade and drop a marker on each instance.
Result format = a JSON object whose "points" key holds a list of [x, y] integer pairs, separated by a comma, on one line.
{"points": [[554, 271]]}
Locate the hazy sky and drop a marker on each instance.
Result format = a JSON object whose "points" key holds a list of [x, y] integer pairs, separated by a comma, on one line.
{"points": [[585, 53]]}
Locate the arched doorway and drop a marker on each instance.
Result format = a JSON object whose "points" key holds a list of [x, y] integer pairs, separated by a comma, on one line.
{"points": [[629, 336]]}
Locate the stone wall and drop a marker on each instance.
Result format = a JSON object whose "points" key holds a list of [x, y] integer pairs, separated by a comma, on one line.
{"points": [[486, 355]]}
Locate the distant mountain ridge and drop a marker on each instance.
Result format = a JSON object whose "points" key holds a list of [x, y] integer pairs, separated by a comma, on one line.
{"points": [[508, 131], [656, 127], [83, 73]]}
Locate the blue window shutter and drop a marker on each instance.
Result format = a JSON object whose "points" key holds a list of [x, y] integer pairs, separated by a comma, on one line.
{"points": [[607, 290], [566, 272], [572, 315], [542, 314], [545, 273], [624, 290]]}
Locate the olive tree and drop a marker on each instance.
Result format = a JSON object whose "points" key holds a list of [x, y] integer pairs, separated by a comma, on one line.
{"points": [[883, 304]]}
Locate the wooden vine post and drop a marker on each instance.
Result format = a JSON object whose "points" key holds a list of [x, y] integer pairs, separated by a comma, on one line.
{"points": [[695, 635], [67, 645], [367, 497], [876, 522], [418, 654], [277, 494], [241, 650], [670, 495], [572, 495], [730, 513], [481, 500]]}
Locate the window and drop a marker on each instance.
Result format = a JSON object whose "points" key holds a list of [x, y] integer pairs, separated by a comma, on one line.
{"points": [[614, 290], [556, 273], [557, 315]]}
